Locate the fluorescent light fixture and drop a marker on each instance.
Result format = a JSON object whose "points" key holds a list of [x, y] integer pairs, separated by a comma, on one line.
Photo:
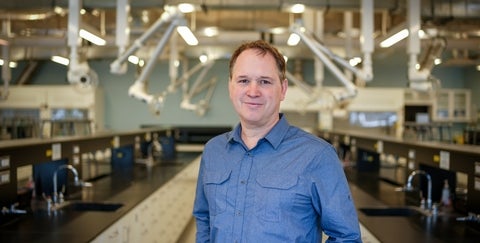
{"points": [[92, 38], [186, 7], [60, 60], [297, 8], [187, 35], [392, 40], [293, 39]]}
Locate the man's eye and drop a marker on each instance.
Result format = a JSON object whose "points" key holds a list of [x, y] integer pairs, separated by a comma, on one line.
{"points": [[265, 81], [242, 81]]}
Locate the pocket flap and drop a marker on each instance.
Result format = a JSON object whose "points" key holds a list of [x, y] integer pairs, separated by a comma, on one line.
{"points": [[276, 181], [217, 177]]}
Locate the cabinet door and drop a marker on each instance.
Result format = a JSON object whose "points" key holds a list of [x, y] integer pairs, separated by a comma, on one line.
{"points": [[452, 105], [140, 228]]}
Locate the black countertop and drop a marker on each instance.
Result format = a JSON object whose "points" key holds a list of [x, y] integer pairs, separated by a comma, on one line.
{"points": [[369, 191], [132, 188], [128, 188]]}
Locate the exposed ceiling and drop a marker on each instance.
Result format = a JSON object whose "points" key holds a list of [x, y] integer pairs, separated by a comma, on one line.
{"points": [[458, 21]]}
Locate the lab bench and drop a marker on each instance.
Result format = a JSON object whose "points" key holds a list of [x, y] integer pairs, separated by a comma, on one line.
{"points": [[369, 156], [154, 204]]}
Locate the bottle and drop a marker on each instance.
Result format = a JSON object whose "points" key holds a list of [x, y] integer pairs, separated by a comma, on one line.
{"points": [[446, 194]]}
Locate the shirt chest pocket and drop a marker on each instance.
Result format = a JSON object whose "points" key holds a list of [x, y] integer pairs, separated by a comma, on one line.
{"points": [[216, 191], [274, 194]]}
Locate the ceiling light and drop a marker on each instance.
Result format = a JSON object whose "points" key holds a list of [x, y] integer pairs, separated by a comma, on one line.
{"points": [[297, 8], [60, 60], [187, 35], [437, 61], [92, 37], [278, 30], [355, 61], [133, 59], [478, 67], [186, 7], [203, 58], [293, 39], [11, 64], [392, 40], [210, 31]]}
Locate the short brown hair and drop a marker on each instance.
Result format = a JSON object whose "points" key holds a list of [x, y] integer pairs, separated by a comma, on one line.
{"points": [[263, 48]]}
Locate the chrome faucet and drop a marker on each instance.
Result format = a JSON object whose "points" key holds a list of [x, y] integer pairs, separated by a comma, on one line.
{"points": [[76, 180], [409, 186]]}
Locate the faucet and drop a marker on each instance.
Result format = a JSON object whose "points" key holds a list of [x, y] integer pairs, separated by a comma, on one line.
{"points": [[409, 186], [76, 180]]}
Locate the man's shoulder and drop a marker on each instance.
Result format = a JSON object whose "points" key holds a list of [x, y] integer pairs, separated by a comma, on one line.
{"points": [[219, 139], [306, 137]]}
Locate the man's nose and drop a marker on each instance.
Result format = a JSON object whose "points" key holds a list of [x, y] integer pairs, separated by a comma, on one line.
{"points": [[253, 89]]}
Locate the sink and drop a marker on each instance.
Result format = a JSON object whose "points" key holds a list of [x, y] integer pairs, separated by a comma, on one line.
{"points": [[392, 211], [92, 206]]}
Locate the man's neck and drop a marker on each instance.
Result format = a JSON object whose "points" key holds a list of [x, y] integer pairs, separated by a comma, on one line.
{"points": [[251, 134]]}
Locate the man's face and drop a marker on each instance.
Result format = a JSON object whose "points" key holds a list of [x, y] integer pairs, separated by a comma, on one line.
{"points": [[256, 89]]}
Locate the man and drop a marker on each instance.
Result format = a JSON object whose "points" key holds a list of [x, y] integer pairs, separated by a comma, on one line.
{"points": [[267, 181]]}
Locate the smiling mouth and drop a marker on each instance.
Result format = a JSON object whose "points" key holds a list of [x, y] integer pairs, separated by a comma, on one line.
{"points": [[252, 104]]}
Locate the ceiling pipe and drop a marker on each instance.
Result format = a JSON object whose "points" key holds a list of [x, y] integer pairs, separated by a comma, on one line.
{"points": [[366, 39], [79, 73], [419, 79], [122, 36], [6, 70]]}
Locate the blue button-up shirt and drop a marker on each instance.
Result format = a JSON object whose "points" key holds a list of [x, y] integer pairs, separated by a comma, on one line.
{"points": [[288, 188]]}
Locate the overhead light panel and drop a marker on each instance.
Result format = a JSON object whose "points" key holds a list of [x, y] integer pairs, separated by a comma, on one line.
{"points": [[61, 60], [392, 40], [187, 35], [95, 39]]}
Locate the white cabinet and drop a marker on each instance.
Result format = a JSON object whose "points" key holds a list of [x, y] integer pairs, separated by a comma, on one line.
{"points": [[452, 105], [445, 105], [161, 217], [119, 232]]}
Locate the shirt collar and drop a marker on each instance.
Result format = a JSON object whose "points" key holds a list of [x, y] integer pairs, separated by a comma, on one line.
{"points": [[274, 136]]}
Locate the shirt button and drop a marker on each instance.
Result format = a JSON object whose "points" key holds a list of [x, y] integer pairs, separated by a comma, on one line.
{"points": [[243, 182], [238, 213]]}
